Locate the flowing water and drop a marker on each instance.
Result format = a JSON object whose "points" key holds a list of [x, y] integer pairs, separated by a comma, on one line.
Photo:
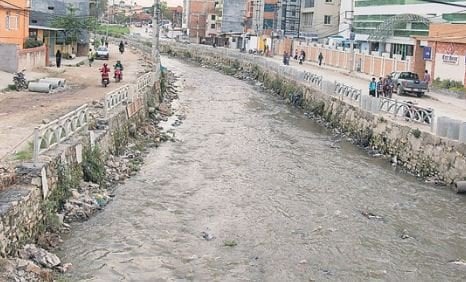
{"points": [[252, 172]]}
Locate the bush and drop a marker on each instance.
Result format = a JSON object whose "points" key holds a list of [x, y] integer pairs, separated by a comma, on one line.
{"points": [[32, 43], [448, 84]]}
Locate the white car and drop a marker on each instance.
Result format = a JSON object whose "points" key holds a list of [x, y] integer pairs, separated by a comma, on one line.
{"points": [[102, 53]]}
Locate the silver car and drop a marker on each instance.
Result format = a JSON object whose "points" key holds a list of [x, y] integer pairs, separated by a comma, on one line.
{"points": [[102, 53]]}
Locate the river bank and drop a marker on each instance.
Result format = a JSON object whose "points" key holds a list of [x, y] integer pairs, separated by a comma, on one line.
{"points": [[81, 176]]}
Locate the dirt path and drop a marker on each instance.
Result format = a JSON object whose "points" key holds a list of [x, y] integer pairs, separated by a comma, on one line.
{"points": [[21, 112]]}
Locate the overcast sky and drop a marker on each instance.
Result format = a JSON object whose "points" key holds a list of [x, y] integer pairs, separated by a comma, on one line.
{"points": [[151, 2]]}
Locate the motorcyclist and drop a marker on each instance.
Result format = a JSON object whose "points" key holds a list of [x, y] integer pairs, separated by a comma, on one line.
{"points": [[118, 65]]}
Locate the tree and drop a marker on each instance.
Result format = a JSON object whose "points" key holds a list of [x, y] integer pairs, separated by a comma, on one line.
{"points": [[73, 24], [97, 7]]}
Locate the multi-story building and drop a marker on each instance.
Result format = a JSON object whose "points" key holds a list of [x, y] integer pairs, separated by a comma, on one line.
{"points": [[320, 18], [233, 16], [386, 26], [14, 15], [198, 26], [262, 16]]}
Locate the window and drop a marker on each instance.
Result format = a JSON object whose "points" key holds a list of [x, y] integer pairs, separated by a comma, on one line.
{"points": [[328, 1], [212, 26], [268, 24], [213, 17], [307, 19], [51, 8], [308, 3], [11, 22], [269, 7], [327, 19]]}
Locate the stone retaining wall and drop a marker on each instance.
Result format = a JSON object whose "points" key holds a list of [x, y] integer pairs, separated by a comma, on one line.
{"points": [[23, 207], [419, 151]]}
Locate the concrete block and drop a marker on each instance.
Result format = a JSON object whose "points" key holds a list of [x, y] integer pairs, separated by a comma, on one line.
{"points": [[453, 131], [442, 126], [375, 105], [462, 137]]}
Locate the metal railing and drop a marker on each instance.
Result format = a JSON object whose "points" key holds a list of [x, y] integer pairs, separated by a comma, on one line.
{"points": [[53, 133], [407, 110], [115, 98], [313, 78], [344, 90]]}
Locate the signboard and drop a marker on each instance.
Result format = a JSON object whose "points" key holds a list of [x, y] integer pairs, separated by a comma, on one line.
{"points": [[450, 59], [427, 54], [134, 107]]}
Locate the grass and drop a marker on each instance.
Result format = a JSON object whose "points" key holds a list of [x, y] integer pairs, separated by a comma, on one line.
{"points": [[113, 30], [25, 154], [230, 243]]}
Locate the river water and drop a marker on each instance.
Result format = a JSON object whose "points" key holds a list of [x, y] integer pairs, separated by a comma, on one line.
{"points": [[251, 171]]}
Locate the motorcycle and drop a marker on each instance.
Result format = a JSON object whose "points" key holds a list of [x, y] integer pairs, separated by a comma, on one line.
{"points": [[118, 74], [105, 78], [20, 81]]}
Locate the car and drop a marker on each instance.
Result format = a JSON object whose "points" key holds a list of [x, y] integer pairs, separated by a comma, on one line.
{"points": [[102, 53], [408, 82]]}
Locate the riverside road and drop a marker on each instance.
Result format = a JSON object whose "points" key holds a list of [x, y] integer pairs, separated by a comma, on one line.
{"points": [[255, 191]]}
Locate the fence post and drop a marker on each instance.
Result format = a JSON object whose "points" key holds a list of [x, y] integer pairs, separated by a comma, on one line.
{"points": [[36, 145], [105, 107]]}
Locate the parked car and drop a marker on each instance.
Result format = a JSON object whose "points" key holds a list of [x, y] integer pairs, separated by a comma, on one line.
{"points": [[408, 82], [102, 53]]}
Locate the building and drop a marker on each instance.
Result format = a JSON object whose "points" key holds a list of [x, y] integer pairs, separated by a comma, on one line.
{"points": [[233, 16], [290, 15], [319, 18], [262, 16], [14, 27], [386, 26], [445, 53], [176, 16], [41, 25], [199, 24]]}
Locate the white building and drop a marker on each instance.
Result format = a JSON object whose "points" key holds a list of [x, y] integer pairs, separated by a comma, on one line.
{"points": [[320, 18], [395, 38]]}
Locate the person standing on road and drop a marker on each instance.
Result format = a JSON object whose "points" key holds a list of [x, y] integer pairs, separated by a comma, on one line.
{"points": [[90, 57], [296, 54], [380, 87], [427, 79], [321, 57], [58, 58], [372, 87], [285, 58]]}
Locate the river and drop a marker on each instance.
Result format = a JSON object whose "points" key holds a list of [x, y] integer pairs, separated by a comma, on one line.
{"points": [[274, 200]]}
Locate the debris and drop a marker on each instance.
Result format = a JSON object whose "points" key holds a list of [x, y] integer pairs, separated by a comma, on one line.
{"points": [[404, 234], [39, 256], [207, 236], [230, 243], [371, 215], [458, 262]]}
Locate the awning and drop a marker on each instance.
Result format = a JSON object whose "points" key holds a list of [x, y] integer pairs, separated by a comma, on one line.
{"points": [[7, 5], [45, 28]]}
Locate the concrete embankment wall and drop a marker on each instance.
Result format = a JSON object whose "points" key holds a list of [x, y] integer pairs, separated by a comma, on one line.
{"points": [[41, 187], [419, 151]]}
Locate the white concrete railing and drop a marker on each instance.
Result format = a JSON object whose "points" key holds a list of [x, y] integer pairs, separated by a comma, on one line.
{"points": [[344, 90], [53, 133], [407, 110], [144, 81], [116, 98], [313, 78]]}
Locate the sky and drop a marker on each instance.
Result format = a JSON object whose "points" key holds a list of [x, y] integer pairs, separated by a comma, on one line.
{"points": [[150, 2]]}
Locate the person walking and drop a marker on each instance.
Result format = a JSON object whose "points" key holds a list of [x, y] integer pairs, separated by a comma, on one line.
{"points": [[372, 87], [321, 58], [427, 79], [90, 57], [380, 87], [296, 54], [58, 58]]}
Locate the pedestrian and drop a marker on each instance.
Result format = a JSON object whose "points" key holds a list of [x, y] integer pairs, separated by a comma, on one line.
{"points": [[388, 87], [427, 79], [321, 57], [372, 87], [295, 54], [380, 87], [90, 57], [58, 58], [285, 58], [301, 57]]}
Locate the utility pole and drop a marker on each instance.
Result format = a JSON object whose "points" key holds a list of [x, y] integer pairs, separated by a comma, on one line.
{"points": [[155, 40], [351, 55]]}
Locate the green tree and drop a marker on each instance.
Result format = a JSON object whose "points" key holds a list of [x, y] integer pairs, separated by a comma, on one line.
{"points": [[73, 24]]}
